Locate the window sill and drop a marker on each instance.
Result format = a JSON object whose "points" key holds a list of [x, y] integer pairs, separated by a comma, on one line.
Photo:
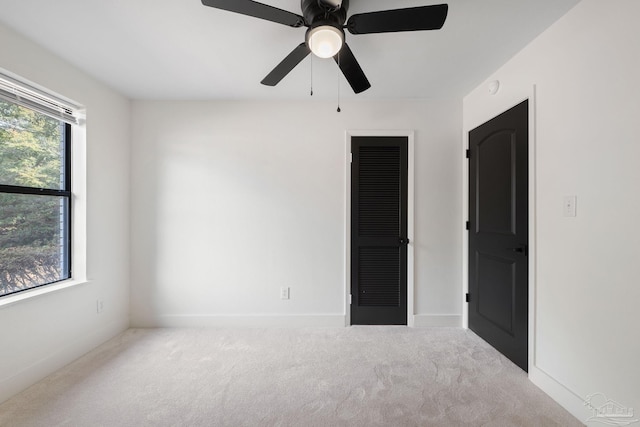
{"points": [[34, 293]]}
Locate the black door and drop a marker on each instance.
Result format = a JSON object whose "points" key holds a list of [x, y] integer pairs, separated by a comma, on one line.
{"points": [[379, 230], [498, 233]]}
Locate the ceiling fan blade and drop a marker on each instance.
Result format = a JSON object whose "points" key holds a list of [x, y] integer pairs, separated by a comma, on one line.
{"points": [[351, 69], [257, 10], [391, 21], [287, 64]]}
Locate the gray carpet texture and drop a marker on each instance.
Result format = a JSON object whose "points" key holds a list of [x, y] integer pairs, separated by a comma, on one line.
{"points": [[356, 376]]}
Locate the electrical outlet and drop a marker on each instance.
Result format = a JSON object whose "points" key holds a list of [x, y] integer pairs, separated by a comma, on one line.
{"points": [[569, 206], [284, 292], [99, 305]]}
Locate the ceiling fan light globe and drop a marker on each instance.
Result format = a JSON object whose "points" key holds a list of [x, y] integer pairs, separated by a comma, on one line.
{"points": [[325, 41]]}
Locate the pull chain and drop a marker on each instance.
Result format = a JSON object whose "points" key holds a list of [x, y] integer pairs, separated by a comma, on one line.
{"points": [[311, 75], [338, 83]]}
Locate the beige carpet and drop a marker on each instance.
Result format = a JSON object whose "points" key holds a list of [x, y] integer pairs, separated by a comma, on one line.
{"points": [[359, 376]]}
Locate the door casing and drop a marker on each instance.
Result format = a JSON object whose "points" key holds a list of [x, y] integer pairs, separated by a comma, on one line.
{"points": [[409, 134]]}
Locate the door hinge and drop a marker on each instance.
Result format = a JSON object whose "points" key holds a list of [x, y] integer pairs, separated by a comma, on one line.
{"points": [[466, 297], [350, 299], [467, 225], [350, 157], [468, 154]]}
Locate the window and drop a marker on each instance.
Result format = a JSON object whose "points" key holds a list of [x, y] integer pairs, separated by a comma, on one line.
{"points": [[35, 189]]}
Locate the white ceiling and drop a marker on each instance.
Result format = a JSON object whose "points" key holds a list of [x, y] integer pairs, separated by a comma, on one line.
{"points": [[180, 49]]}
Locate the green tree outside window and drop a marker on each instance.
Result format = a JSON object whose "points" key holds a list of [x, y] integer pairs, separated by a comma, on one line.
{"points": [[32, 237]]}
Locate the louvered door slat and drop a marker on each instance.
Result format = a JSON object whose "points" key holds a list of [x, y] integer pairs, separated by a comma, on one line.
{"points": [[379, 275], [379, 201]]}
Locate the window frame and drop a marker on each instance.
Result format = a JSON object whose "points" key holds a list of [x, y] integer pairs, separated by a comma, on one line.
{"points": [[65, 193]]}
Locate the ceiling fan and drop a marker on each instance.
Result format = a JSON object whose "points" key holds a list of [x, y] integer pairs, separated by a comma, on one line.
{"points": [[325, 37]]}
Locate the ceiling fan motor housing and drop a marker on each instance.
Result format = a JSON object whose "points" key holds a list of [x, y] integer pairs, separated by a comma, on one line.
{"points": [[320, 12], [331, 4]]}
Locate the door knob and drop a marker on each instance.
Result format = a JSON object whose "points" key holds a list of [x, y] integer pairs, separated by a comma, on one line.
{"points": [[520, 250], [404, 241]]}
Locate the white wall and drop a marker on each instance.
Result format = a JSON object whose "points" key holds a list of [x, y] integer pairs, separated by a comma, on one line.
{"points": [[586, 70], [232, 200], [43, 333]]}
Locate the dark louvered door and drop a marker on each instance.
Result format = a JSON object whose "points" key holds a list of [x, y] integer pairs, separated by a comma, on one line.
{"points": [[379, 230]]}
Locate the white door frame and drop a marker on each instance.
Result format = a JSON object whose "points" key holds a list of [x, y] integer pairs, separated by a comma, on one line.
{"points": [[409, 134]]}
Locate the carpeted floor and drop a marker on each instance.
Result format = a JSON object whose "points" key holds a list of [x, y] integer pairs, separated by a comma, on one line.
{"points": [[358, 376]]}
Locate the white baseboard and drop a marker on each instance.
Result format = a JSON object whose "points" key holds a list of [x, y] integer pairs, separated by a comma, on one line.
{"points": [[566, 398], [251, 321], [284, 321], [437, 321], [44, 367]]}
